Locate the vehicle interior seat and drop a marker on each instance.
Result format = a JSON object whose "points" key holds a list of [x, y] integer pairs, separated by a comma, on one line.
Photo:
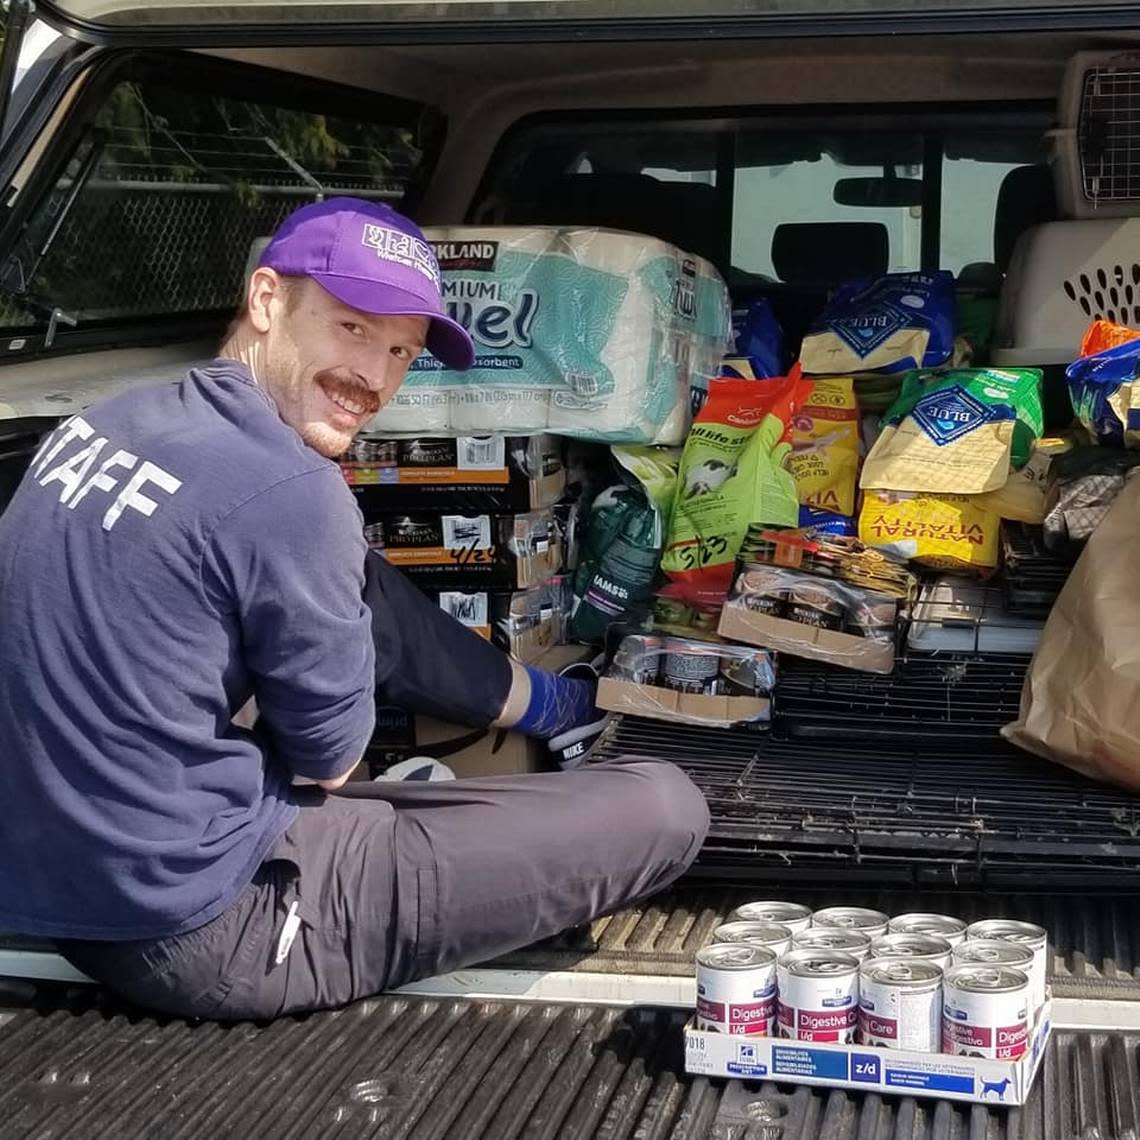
{"points": [[1026, 198], [810, 259]]}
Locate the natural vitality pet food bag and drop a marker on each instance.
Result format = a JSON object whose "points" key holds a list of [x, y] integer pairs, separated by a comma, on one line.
{"points": [[825, 446], [943, 532], [890, 324], [957, 432]]}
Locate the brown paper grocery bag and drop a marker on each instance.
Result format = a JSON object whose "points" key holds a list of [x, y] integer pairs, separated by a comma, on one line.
{"points": [[1081, 702]]}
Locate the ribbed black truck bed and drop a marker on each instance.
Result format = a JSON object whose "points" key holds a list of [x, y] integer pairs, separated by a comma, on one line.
{"points": [[454, 1070]]}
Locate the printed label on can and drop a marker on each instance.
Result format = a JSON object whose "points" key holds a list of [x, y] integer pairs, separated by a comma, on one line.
{"points": [[836, 1025], [1002, 1042], [739, 1018], [985, 1012], [895, 1016], [736, 989]]}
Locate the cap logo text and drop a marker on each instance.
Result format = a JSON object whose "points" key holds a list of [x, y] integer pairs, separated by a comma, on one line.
{"points": [[403, 249]]}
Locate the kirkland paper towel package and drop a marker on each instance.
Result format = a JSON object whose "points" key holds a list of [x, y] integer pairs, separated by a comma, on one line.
{"points": [[591, 333]]}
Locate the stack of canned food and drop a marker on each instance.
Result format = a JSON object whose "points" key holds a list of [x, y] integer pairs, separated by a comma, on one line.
{"points": [[926, 983], [692, 665]]}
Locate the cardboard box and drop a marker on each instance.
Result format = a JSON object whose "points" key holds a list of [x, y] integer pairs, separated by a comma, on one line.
{"points": [[449, 551], [865, 653], [400, 735], [468, 474], [524, 623], [659, 703], [868, 1069]]}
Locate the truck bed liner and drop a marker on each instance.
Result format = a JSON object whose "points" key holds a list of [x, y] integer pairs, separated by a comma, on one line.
{"points": [[1095, 939], [429, 1070]]}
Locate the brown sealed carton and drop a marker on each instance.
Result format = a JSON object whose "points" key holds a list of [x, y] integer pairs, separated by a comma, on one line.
{"points": [[864, 653], [659, 703], [1081, 702]]}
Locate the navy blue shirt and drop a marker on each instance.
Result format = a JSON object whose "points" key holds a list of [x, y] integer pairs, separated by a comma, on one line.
{"points": [[170, 553]]}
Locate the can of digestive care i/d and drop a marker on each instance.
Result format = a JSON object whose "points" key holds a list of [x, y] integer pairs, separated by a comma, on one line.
{"points": [[941, 925], [902, 945], [853, 942], [1024, 934], [792, 915], [869, 922], [818, 996], [736, 988], [777, 938], [900, 1004], [985, 1012]]}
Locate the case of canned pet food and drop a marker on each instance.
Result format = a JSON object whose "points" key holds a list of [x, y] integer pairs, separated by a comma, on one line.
{"points": [[864, 1068], [470, 552], [689, 680], [808, 615], [470, 473], [523, 623]]}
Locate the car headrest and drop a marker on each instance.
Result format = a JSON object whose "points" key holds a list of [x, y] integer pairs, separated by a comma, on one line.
{"points": [[689, 215], [1026, 198], [826, 253]]}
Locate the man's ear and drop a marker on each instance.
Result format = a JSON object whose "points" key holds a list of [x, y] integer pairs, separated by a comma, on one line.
{"points": [[265, 287]]}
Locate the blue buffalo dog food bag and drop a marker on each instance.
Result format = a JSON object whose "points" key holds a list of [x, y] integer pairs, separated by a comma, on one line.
{"points": [[889, 324]]}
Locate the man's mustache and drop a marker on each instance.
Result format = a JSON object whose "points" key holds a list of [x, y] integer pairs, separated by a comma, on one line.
{"points": [[337, 382]]}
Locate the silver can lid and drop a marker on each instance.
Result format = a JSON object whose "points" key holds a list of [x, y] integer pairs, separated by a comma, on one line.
{"points": [[771, 910], [1008, 930], [986, 979], [735, 956], [811, 963], [849, 918], [831, 938], [920, 923], [995, 952], [908, 973], [763, 933], [904, 945]]}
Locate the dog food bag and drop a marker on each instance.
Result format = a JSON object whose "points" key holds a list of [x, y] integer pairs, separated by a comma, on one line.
{"points": [[758, 340], [1102, 335], [825, 446], [624, 535], [889, 324], [943, 532], [957, 432], [1024, 498], [732, 474], [1105, 394]]}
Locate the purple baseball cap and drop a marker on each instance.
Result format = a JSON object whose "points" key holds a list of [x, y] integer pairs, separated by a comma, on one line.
{"points": [[373, 259]]}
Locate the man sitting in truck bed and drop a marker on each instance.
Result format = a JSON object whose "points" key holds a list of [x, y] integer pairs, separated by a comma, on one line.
{"points": [[180, 548]]}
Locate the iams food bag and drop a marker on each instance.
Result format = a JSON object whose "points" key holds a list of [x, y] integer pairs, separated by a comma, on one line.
{"points": [[825, 446], [624, 535], [957, 432], [732, 474], [888, 324]]}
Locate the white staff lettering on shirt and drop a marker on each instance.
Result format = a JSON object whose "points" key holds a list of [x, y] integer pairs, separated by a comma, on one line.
{"points": [[81, 473]]}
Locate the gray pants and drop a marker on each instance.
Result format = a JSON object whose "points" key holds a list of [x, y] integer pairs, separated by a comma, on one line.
{"points": [[399, 881]]}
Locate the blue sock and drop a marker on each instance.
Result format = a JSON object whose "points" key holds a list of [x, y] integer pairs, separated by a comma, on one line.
{"points": [[556, 704]]}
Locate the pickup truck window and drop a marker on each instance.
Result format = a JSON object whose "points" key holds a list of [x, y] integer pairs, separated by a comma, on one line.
{"points": [[766, 197], [166, 191]]}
